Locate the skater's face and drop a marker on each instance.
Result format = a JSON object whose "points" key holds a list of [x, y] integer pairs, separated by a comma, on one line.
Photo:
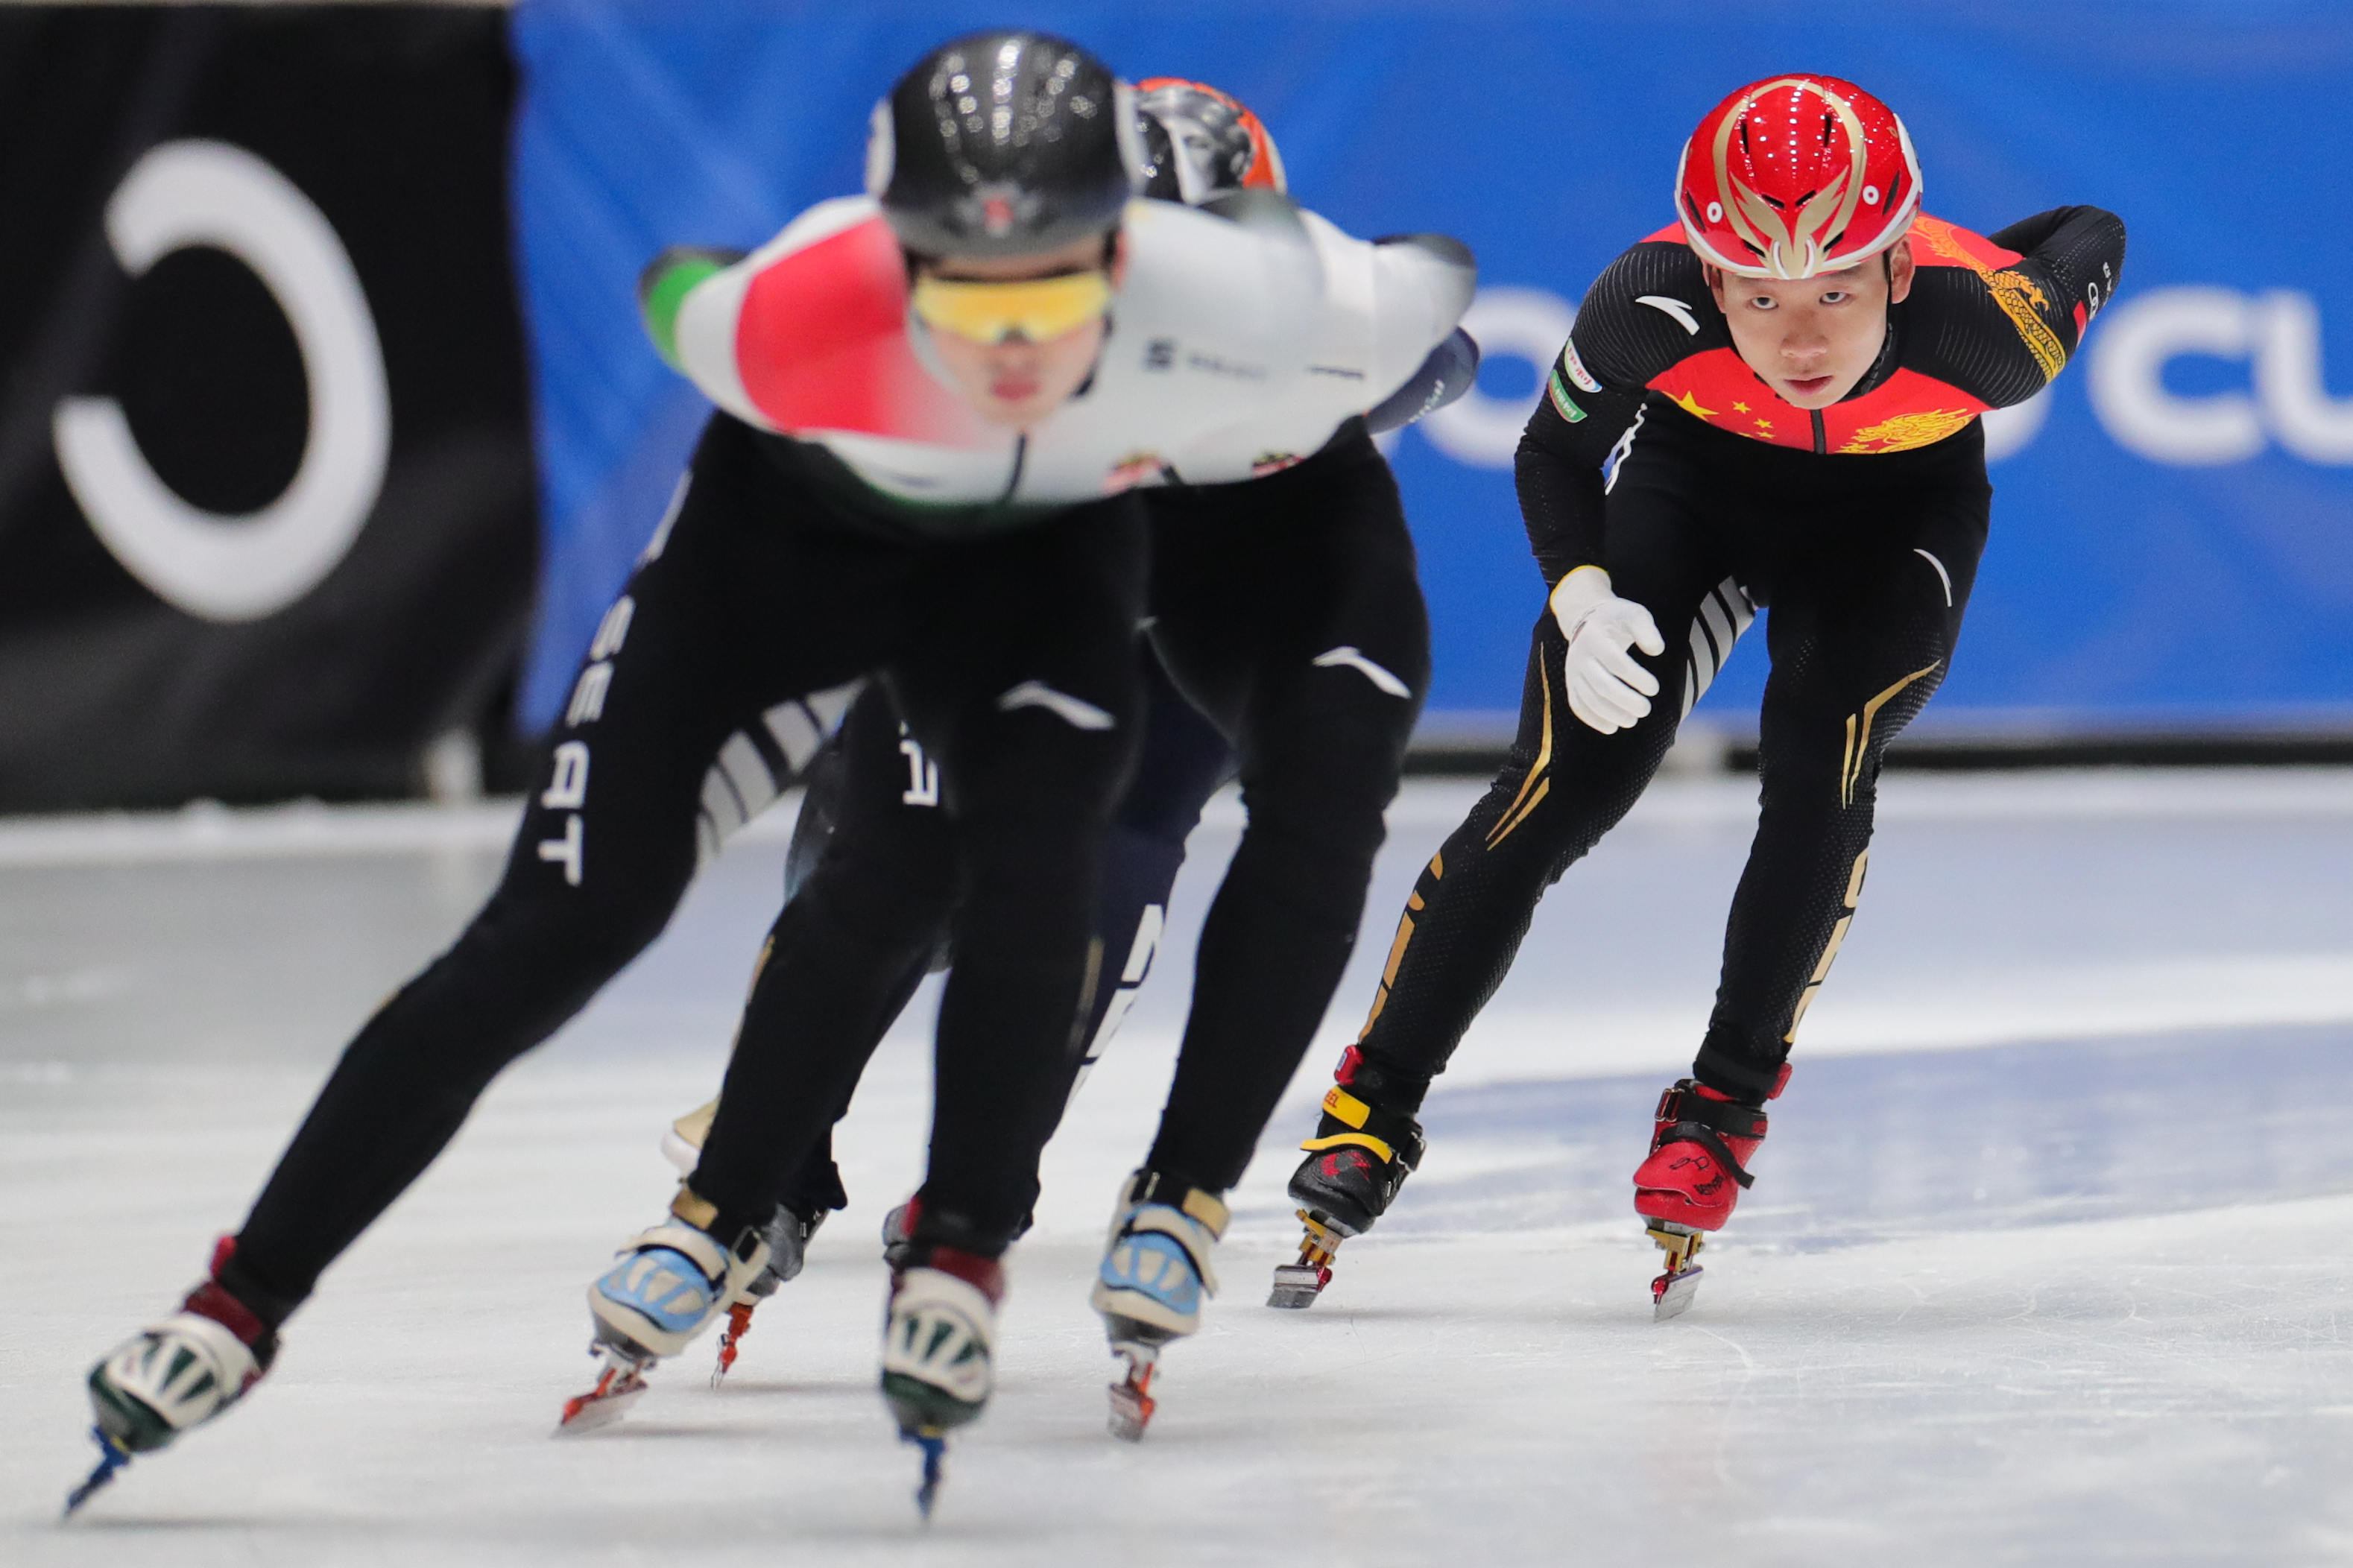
{"points": [[1811, 339], [1019, 334]]}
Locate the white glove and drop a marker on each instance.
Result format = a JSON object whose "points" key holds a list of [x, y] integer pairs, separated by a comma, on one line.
{"points": [[1606, 688]]}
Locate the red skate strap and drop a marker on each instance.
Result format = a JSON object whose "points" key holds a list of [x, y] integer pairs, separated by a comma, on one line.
{"points": [[986, 1275], [211, 1300]]}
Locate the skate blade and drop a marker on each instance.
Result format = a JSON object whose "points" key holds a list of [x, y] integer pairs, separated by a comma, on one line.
{"points": [[933, 1442], [1672, 1294], [1297, 1285], [1132, 1404], [594, 1412], [730, 1340], [112, 1460], [1131, 1411], [619, 1388]]}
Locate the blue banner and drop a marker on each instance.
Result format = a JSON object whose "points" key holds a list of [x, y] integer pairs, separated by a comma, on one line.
{"points": [[2173, 524]]}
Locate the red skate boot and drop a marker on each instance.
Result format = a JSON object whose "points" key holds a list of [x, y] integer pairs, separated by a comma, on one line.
{"points": [[1698, 1164]]}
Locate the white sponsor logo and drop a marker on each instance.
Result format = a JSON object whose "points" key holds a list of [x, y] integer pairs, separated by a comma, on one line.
{"points": [[243, 567], [568, 851], [2276, 334], [614, 629], [588, 694], [923, 773], [568, 790], [1348, 657], [1072, 710], [660, 541], [1674, 308], [1942, 576]]}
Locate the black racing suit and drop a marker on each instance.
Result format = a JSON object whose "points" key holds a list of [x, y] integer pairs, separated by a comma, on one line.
{"points": [[724, 665], [875, 793], [1860, 526], [1285, 609]]}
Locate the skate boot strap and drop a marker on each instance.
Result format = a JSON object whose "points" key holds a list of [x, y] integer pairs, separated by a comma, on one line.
{"points": [[701, 1213], [722, 1270], [1197, 1203], [1369, 1079], [1195, 1235], [698, 1248], [1691, 1114], [230, 1354], [212, 1300], [1349, 1120], [984, 1275], [1708, 1139], [1686, 1102]]}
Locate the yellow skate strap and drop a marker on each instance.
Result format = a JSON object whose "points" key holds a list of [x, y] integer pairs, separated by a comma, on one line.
{"points": [[1361, 1140], [1345, 1107], [1208, 1208]]}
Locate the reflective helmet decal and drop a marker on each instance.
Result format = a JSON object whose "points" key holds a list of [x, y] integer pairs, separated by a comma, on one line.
{"points": [[1795, 176], [1008, 143]]}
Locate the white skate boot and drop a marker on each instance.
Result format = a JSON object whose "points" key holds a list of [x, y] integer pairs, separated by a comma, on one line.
{"points": [[939, 1350], [172, 1375]]}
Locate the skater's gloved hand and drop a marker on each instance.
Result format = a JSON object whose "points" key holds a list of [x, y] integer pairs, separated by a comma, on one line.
{"points": [[1606, 688]]}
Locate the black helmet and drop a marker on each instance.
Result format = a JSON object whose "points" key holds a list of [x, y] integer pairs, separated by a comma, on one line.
{"points": [[1200, 143], [1003, 143]]}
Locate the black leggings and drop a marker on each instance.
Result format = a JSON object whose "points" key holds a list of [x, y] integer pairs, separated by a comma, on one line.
{"points": [[873, 793], [1287, 609], [716, 676], [1866, 564]]}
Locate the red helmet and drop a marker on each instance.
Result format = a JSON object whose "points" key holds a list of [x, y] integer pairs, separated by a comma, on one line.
{"points": [[1199, 141], [1795, 176]]}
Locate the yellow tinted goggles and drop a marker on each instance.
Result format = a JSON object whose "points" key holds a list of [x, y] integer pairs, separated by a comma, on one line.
{"points": [[1035, 308]]}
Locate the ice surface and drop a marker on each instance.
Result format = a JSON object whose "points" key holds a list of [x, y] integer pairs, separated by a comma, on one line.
{"points": [[2050, 1259]]}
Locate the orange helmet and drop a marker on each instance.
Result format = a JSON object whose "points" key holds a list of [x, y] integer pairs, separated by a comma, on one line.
{"points": [[1199, 142], [1795, 176]]}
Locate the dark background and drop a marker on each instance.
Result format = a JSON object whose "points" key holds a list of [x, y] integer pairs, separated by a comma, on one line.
{"points": [[392, 119]]}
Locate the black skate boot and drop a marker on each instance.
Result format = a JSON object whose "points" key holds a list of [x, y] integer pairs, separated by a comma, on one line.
{"points": [[1359, 1157]]}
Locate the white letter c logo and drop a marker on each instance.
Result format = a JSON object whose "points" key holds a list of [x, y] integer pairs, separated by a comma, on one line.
{"points": [[216, 566]]}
